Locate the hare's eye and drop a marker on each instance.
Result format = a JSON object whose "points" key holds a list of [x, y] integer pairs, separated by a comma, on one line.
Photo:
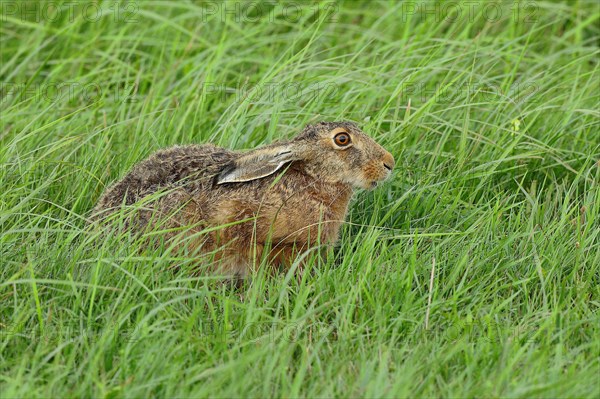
{"points": [[342, 139]]}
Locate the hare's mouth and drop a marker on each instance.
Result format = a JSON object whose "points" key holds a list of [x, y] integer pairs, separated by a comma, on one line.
{"points": [[370, 185], [376, 182], [367, 182]]}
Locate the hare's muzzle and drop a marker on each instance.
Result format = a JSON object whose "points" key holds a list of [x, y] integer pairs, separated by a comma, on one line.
{"points": [[378, 170], [388, 163]]}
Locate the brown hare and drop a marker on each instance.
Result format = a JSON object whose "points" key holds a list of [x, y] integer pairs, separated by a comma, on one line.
{"points": [[274, 201]]}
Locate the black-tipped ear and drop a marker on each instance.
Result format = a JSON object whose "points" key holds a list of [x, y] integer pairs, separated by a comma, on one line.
{"points": [[256, 165]]}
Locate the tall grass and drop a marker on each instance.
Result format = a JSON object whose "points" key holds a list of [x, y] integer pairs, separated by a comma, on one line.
{"points": [[474, 272]]}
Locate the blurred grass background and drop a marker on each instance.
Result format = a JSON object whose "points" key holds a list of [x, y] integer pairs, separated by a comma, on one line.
{"points": [[490, 108]]}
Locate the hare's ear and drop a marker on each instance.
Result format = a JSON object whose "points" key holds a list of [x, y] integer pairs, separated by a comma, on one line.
{"points": [[256, 164]]}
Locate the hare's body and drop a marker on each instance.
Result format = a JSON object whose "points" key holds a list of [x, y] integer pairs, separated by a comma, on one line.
{"points": [[235, 205]]}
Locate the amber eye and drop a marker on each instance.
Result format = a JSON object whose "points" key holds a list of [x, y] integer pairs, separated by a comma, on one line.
{"points": [[342, 139]]}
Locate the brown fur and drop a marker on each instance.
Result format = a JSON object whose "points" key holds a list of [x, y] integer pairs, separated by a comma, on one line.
{"points": [[301, 202]]}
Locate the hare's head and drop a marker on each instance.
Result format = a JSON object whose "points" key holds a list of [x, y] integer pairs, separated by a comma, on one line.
{"points": [[341, 152], [338, 152]]}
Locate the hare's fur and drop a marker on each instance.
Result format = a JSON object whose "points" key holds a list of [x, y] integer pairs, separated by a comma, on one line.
{"points": [[283, 198]]}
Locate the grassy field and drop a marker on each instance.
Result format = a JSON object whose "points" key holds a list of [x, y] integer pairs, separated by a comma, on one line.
{"points": [[473, 272]]}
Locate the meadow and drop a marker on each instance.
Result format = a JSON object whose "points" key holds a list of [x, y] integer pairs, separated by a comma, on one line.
{"points": [[473, 272]]}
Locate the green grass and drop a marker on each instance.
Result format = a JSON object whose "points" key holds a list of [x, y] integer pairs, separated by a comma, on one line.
{"points": [[495, 126]]}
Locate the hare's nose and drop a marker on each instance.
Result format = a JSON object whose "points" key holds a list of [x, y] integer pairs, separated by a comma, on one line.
{"points": [[388, 161]]}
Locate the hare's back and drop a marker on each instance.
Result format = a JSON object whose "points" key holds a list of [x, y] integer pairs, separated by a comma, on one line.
{"points": [[190, 167], [183, 165]]}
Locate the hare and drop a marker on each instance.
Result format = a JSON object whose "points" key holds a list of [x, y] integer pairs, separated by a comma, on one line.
{"points": [[275, 201]]}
